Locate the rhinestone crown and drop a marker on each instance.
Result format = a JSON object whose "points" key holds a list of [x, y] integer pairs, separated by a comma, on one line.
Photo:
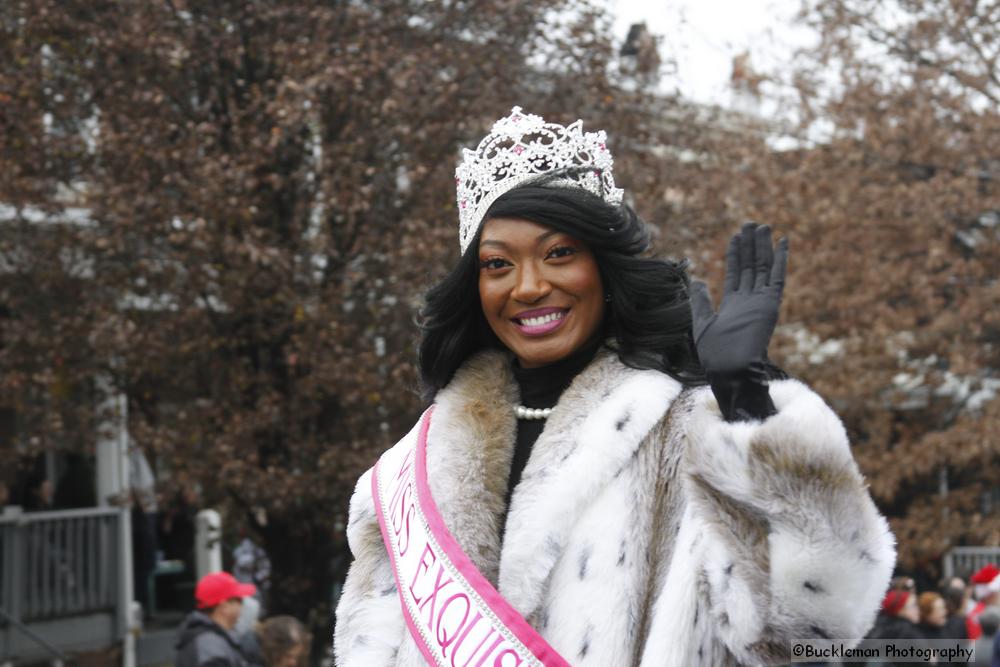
{"points": [[521, 148]]}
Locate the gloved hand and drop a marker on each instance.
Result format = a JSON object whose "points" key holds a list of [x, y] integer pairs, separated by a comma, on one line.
{"points": [[732, 344]]}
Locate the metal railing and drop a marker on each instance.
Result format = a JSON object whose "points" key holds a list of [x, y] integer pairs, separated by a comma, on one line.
{"points": [[965, 561], [58, 564]]}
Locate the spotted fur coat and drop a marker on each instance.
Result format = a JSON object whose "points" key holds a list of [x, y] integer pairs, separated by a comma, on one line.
{"points": [[646, 530]]}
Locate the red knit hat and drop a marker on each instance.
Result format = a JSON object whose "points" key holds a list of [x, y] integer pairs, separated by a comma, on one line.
{"points": [[986, 574], [894, 601], [217, 587], [987, 581]]}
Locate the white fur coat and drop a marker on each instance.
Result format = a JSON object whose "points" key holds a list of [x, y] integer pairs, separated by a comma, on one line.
{"points": [[646, 530]]}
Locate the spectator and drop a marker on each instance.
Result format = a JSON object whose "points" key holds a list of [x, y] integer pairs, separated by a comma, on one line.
{"points": [[933, 615], [41, 495], [899, 613], [284, 642], [956, 596], [249, 615], [175, 538], [986, 655], [75, 487], [48, 554], [898, 617], [177, 525], [280, 641], [950, 582], [205, 638], [987, 592], [251, 564]]}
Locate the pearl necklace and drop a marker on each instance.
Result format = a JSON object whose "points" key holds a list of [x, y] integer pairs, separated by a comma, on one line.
{"points": [[531, 413]]}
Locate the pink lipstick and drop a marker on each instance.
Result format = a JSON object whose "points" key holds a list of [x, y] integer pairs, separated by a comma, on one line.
{"points": [[540, 321]]}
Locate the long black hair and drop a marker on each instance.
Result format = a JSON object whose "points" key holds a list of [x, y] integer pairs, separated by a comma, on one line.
{"points": [[648, 318]]}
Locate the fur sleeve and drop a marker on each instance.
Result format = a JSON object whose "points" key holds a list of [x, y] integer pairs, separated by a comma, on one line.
{"points": [[369, 624], [793, 546]]}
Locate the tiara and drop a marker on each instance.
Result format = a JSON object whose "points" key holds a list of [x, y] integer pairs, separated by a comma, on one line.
{"points": [[522, 148]]}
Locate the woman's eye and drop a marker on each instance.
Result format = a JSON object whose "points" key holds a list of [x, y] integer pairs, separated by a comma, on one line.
{"points": [[492, 263], [561, 251]]}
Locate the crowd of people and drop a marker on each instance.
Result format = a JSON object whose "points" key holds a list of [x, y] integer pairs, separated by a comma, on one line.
{"points": [[210, 636], [968, 612]]}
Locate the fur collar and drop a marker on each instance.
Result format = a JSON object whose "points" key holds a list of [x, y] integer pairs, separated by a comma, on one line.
{"points": [[593, 432]]}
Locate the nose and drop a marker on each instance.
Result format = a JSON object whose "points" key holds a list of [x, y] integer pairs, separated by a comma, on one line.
{"points": [[531, 285]]}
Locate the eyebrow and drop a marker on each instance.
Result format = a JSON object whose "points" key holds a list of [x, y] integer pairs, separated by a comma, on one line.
{"points": [[541, 237]]}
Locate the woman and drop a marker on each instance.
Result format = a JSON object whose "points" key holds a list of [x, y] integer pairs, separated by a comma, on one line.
{"points": [[575, 494], [279, 641], [933, 615]]}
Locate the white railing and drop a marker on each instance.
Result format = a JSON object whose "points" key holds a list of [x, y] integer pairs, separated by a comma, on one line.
{"points": [[965, 561], [58, 564]]}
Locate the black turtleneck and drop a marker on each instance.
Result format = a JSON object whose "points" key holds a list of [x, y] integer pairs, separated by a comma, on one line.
{"points": [[540, 388]]}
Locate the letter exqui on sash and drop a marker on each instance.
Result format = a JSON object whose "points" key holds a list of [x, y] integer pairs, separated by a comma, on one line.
{"points": [[455, 615]]}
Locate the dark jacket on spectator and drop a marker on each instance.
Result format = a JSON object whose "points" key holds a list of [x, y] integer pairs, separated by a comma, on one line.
{"points": [[203, 643], [928, 631], [894, 627], [250, 646], [954, 628]]}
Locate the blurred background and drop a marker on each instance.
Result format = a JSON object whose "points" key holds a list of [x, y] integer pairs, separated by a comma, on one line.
{"points": [[217, 219]]}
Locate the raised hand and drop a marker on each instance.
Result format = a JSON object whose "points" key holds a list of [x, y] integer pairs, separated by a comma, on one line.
{"points": [[732, 343]]}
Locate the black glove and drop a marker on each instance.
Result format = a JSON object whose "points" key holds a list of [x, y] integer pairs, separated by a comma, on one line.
{"points": [[732, 344]]}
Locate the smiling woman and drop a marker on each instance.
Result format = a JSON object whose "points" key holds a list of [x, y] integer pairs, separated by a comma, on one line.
{"points": [[645, 313], [575, 493], [540, 290]]}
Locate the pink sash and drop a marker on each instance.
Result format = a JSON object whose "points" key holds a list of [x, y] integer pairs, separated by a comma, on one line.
{"points": [[455, 615]]}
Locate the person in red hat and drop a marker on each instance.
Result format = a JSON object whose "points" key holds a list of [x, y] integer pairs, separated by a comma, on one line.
{"points": [[986, 588], [205, 638], [898, 615]]}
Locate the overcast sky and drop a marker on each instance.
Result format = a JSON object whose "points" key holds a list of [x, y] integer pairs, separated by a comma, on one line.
{"points": [[704, 35]]}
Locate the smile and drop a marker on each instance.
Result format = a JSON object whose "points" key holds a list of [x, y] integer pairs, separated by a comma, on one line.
{"points": [[540, 322]]}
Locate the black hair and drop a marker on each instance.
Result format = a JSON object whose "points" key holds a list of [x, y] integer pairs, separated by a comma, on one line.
{"points": [[954, 596], [648, 318]]}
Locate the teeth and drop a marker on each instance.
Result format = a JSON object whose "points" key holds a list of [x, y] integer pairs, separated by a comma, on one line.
{"points": [[544, 319]]}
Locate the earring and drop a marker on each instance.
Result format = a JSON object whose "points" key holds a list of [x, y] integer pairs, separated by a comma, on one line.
{"points": [[607, 297]]}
